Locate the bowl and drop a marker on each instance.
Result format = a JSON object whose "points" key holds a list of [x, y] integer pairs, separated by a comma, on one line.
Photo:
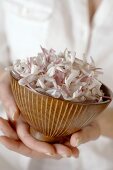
{"points": [[53, 120]]}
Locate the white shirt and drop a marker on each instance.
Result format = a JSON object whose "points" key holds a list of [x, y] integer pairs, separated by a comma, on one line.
{"points": [[61, 24]]}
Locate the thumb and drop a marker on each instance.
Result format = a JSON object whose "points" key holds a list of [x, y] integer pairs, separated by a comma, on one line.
{"points": [[88, 133], [7, 98]]}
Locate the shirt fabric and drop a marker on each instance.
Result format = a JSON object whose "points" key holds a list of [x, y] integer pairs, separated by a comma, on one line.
{"points": [[61, 24]]}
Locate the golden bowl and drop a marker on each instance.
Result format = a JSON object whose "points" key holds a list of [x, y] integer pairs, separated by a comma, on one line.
{"points": [[52, 119]]}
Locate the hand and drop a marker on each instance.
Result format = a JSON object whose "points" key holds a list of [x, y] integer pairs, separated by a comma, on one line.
{"points": [[88, 133], [16, 131]]}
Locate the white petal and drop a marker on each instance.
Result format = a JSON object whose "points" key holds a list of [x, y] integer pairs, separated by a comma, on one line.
{"points": [[72, 55], [23, 82], [71, 77], [40, 90], [54, 92], [60, 69], [34, 69], [51, 71], [41, 84]]}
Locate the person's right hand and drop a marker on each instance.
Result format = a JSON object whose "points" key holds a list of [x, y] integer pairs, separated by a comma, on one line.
{"points": [[16, 131]]}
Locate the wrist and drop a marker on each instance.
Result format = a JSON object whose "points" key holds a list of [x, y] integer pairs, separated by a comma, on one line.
{"points": [[1, 70]]}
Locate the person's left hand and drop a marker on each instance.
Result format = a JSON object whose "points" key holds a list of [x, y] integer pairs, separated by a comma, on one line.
{"points": [[86, 134]]}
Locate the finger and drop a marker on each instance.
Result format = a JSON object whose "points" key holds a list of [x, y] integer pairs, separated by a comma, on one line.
{"points": [[75, 151], [7, 98], [90, 132], [28, 140], [63, 150], [7, 129], [19, 147]]}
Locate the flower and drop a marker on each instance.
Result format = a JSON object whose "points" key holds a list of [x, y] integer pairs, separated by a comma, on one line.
{"points": [[61, 75]]}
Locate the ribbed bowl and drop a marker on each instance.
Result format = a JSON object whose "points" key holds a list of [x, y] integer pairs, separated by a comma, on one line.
{"points": [[51, 119]]}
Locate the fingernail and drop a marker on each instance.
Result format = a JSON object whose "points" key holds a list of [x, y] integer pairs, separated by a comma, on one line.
{"points": [[1, 132], [49, 154], [78, 142], [15, 116], [75, 156], [64, 155]]}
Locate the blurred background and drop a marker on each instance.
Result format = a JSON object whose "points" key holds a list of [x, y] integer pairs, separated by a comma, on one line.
{"points": [[24, 37]]}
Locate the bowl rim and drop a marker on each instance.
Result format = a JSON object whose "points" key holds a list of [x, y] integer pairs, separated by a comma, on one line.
{"points": [[68, 101]]}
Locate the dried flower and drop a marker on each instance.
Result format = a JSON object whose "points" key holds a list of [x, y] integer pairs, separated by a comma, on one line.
{"points": [[60, 75]]}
